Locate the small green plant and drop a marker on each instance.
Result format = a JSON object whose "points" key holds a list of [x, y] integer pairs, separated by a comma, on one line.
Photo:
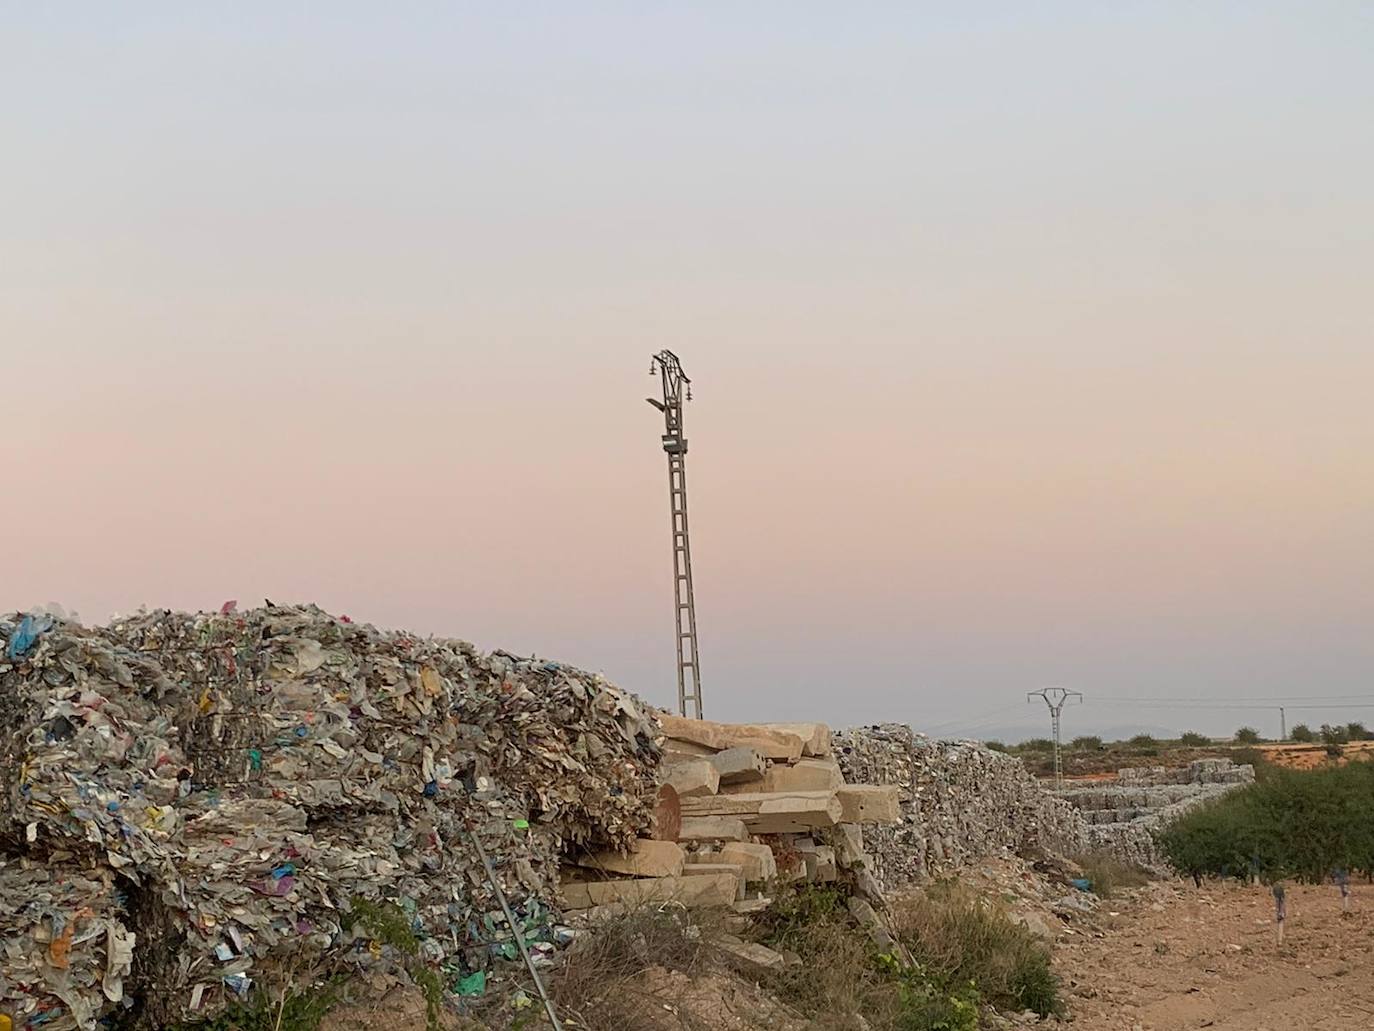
{"points": [[1086, 743], [292, 1011], [1303, 733], [969, 941], [386, 923], [927, 1001], [1247, 736], [1193, 739]]}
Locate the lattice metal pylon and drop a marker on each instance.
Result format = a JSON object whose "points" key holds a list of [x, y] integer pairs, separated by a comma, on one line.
{"points": [[1055, 698], [675, 382]]}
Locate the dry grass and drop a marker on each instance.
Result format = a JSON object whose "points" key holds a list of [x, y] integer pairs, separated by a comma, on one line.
{"points": [[968, 939], [604, 983], [1108, 875]]}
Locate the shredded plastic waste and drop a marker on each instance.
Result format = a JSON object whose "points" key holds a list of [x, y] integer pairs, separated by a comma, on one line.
{"points": [[192, 803]]}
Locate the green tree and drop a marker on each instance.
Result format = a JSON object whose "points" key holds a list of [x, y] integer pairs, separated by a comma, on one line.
{"points": [[1247, 736], [1193, 739], [1086, 743], [1333, 735], [1302, 732], [1356, 732], [1143, 741]]}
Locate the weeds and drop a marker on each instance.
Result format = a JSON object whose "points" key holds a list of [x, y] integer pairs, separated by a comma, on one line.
{"points": [[969, 941], [1107, 875], [385, 922], [600, 981], [292, 1011]]}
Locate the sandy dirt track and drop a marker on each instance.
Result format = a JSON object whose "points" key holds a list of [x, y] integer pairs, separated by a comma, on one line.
{"points": [[1178, 958]]}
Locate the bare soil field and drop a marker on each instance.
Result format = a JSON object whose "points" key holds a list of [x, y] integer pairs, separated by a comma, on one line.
{"points": [[1177, 958]]}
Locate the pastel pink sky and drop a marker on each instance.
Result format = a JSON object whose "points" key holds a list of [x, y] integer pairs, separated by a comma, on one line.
{"points": [[1030, 349]]}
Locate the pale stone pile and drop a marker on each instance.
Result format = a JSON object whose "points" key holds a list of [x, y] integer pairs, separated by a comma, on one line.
{"points": [[1124, 815], [959, 801], [742, 806]]}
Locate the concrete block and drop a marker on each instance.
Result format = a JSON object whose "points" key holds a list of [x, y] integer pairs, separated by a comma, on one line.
{"points": [[693, 777], [712, 828], [805, 775], [849, 844], [739, 766], [867, 803], [772, 744], [718, 889], [754, 958], [815, 736], [646, 859], [757, 861]]}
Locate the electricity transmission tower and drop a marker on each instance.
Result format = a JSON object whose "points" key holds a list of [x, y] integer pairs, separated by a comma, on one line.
{"points": [[1056, 698], [675, 381]]}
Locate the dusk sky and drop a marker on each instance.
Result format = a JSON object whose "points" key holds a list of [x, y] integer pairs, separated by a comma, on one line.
{"points": [[1031, 343]]}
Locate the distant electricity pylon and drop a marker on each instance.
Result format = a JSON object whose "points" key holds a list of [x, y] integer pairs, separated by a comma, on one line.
{"points": [[1056, 698], [665, 364]]}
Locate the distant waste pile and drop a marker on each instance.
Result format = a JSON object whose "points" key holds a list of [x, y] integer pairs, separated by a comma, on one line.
{"points": [[1124, 815], [960, 801], [192, 802]]}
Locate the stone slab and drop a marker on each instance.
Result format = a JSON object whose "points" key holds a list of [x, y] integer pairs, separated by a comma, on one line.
{"points": [[869, 803], [712, 828], [756, 861], [703, 891], [771, 744], [739, 766], [692, 777], [815, 736], [646, 859]]}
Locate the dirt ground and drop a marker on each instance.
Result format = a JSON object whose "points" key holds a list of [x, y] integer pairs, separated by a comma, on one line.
{"points": [[1177, 958]]}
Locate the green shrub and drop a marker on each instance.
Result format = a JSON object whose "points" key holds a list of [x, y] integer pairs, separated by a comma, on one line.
{"points": [[1143, 742], [1356, 732], [1036, 744], [1193, 739], [969, 941], [996, 746], [1333, 735], [293, 1011], [1087, 743], [1292, 824], [1303, 733], [1247, 736]]}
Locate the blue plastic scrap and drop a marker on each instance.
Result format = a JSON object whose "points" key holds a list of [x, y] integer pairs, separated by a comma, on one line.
{"points": [[27, 635]]}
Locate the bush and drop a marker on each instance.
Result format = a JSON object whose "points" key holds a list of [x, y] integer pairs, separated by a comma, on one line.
{"points": [[1193, 739], [1302, 732], [969, 941], [1356, 732], [1333, 735], [1108, 875], [1293, 824], [996, 746], [1036, 744], [1087, 743], [841, 974], [1247, 736], [1142, 742]]}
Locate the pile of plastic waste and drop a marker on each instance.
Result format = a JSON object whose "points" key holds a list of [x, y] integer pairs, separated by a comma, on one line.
{"points": [[192, 803], [960, 802]]}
